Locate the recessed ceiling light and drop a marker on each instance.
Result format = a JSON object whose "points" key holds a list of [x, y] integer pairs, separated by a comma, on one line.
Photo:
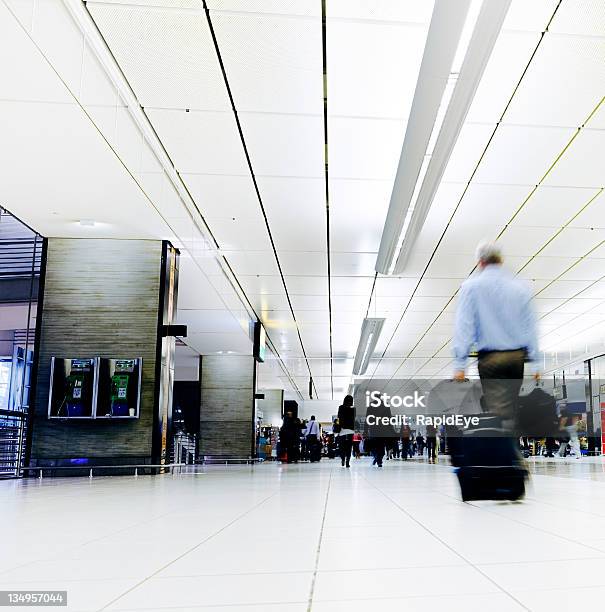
{"points": [[87, 222]]}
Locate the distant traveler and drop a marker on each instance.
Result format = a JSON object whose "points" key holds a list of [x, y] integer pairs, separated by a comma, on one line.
{"points": [[346, 420], [420, 445], [357, 445], [378, 435], [405, 441], [289, 438], [313, 437], [567, 422], [431, 442], [495, 314]]}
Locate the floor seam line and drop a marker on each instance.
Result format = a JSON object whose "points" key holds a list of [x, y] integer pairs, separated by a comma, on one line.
{"points": [[184, 554], [502, 589], [321, 532]]}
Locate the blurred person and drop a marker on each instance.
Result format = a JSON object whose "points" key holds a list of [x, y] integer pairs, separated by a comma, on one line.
{"points": [[289, 434], [378, 435], [346, 420], [420, 444], [495, 314], [431, 442], [570, 426], [304, 454], [405, 434], [357, 445], [313, 438]]}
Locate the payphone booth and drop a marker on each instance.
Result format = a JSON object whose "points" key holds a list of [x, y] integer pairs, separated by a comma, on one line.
{"points": [[72, 388], [119, 392]]}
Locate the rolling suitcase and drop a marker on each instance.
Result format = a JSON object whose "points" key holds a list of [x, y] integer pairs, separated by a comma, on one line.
{"points": [[488, 462]]}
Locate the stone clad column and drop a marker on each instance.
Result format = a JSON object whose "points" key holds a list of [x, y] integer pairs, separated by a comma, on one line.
{"points": [[227, 405], [107, 298]]}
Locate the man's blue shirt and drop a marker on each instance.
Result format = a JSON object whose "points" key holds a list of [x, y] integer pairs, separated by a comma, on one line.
{"points": [[494, 314]]}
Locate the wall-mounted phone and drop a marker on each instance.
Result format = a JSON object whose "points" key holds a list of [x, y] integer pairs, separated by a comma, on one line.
{"points": [[73, 387], [119, 393]]}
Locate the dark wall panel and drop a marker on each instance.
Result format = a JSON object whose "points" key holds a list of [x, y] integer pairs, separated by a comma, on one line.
{"points": [[227, 405]]}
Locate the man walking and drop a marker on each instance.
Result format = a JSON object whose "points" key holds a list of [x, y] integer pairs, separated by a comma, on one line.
{"points": [[495, 314]]}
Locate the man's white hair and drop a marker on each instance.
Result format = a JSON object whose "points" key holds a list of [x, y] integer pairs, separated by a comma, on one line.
{"points": [[488, 251]]}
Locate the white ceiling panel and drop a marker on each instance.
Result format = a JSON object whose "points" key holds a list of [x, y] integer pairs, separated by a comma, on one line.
{"points": [[295, 263], [563, 83], [563, 289], [223, 196], [574, 242], [462, 238], [547, 268], [201, 142], [96, 86], [416, 319], [312, 317], [593, 216], [66, 186], [395, 286], [357, 214], [429, 304], [553, 206], [361, 148], [252, 262], [167, 55], [353, 264], [506, 64], [211, 343], [350, 303], [284, 145], [309, 302], [586, 269], [30, 78], [382, 10], [348, 317], [530, 16], [254, 284], [544, 305], [208, 321], [485, 205], [282, 74], [387, 305], [307, 8], [348, 285], [307, 285], [445, 265], [582, 165], [262, 302], [580, 305], [520, 240], [247, 234], [303, 199], [472, 140], [580, 18], [373, 67], [438, 287], [52, 22], [521, 154]]}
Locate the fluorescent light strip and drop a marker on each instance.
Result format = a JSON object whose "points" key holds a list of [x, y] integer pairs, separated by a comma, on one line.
{"points": [[370, 332], [485, 25], [447, 24]]}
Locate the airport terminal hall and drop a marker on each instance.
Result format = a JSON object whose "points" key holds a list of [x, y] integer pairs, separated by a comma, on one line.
{"points": [[302, 305]]}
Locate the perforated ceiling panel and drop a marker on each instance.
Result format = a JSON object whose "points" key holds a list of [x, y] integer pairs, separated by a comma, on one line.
{"points": [[166, 55]]}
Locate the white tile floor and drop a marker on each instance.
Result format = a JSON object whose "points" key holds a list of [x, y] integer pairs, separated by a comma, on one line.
{"points": [[309, 537]]}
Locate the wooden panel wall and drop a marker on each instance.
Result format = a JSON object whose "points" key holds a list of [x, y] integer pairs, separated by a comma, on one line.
{"points": [[101, 298]]}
